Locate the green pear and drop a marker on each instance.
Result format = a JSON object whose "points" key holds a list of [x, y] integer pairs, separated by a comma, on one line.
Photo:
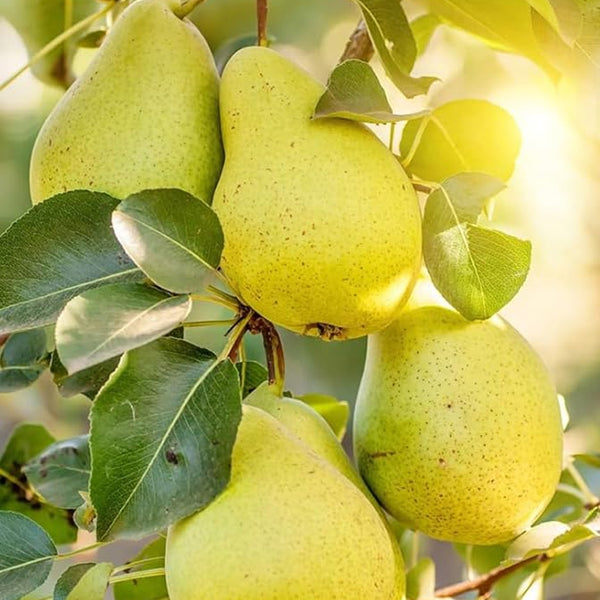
{"points": [[143, 115], [322, 226], [38, 22], [288, 527], [457, 427]]}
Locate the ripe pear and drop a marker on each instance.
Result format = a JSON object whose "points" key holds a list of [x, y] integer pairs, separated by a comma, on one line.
{"points": [[288, 527], [457, 427], [322, 226], [143, 115]]}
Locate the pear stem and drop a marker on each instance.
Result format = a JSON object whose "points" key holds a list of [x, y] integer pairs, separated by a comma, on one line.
{"points": [[186, 7], [359, 45], [275, 356], [57, 41], [262, 10], [235, 338]]}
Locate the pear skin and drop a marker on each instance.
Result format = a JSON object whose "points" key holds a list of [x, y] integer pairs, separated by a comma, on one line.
{"points": [[288, 527], [457, 427], [144, 114], [322, 226]]}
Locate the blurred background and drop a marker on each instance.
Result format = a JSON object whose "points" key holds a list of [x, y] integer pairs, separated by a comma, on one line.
{"points": [[552, 200]]}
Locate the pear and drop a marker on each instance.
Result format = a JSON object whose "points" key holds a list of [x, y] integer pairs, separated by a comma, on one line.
{"points": [[143, 115], [321, 224], [457, 427], [288, 527]]}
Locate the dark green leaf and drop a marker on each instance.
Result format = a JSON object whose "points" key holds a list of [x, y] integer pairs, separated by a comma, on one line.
{"points": [[26, 555], [395, 45], [16, 494], [61, 471], [152, 588], [461, 136], [354, 92], [423, 28], [334, 411], [86, 581], [171, 235], [105, 322], [420, 580], [252, 374], [477, 270], [56, 251], [503, 24], [87, 382], [163, 429], [22, 360]]}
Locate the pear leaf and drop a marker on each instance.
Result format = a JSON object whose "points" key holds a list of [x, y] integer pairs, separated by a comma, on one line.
{"points": [[423, 28], [535, 540], [461, 136], [26, 441], [87, 581], [354, 92], [57, 250], [26, 555], [105, 322], [61, 471], [252, 374], [503, 25], [162, 434], [152, 588], [171, 235], [23, 358], [393, 39], [420, 580], [334, 411], [477, 270], [87, 382]]}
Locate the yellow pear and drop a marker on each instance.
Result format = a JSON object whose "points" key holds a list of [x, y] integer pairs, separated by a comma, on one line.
{"points": [[457, 427], [289, 526], [143, 115], [321, 224]]}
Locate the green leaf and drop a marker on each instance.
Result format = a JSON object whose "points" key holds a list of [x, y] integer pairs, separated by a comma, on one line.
{"points": [[22, 360], [461, 136], [334, 411], [592, 460], [162, 433], [152, 588], [503, 24], [105, 322], [354, 92], [61, 471], [423, 28], [56, 251], [535, 540], [252, 374], [87, 382], [87, 581], [25, 442], [420, 580], [171, 235], [395, 45], [477, 270], [26, 555]]}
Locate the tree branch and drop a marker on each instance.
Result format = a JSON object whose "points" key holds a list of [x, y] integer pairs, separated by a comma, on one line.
{"points": [[359, 45], [484, 584]]}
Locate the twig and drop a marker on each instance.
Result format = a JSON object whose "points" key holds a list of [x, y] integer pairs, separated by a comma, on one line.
{"points": [[420, 187], [484, 584], [275, 356], [359, 45], [262, 10]]}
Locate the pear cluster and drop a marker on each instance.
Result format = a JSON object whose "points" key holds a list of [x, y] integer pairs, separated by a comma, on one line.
{"points": [[457, 425]]}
